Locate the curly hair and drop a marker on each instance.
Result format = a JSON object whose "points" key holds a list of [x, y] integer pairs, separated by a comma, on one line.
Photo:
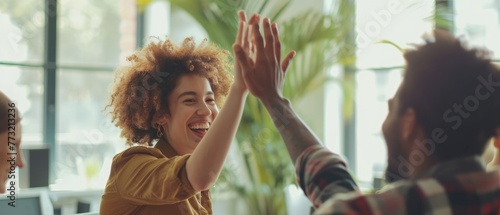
{"points": [[445, 82], [140, 93]]}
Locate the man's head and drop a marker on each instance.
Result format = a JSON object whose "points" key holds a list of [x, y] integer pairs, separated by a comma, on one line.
{"points": [[447, 107], [10, 140]]}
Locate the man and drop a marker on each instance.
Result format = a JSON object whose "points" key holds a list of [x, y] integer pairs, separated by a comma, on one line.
{"points": [[10, 140], [443, 114]]}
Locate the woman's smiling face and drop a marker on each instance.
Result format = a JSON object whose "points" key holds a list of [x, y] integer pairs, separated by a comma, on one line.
{"points": [[192, 110]]}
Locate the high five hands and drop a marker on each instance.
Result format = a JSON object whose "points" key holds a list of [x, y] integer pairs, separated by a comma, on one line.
{"points": [[258, 58]]}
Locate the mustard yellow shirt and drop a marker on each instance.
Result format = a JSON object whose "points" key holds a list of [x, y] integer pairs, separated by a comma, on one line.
{"points": [[153, 181]]}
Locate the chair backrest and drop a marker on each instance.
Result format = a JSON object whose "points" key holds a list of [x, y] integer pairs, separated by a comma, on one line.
{"points": [[27, 201]]}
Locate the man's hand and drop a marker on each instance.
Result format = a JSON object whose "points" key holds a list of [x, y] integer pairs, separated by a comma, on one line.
{"points": [[259, 60]]}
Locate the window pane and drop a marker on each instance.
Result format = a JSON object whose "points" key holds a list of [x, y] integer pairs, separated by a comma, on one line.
{"points": [[400, 22], [21, 31], [24, 86], [89, 32], [374, 88], [86, 139], [481, 30]]}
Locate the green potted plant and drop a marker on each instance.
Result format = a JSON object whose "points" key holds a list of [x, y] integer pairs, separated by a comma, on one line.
{"points": [[320, 41]]}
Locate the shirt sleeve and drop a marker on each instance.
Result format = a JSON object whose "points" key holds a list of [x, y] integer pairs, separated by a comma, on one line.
{"points": [[146, 177], [322, 174], [353, 203]]}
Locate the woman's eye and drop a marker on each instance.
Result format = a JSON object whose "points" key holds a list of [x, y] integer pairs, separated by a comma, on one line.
{"points": [[189, 100], [210, 100]]}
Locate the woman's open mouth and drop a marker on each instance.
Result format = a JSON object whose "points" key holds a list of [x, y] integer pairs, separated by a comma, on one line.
{"points": [[199, 129]]}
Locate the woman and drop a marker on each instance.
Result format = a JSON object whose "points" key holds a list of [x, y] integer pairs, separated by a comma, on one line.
{"points": [[10, 141], [171, 94]]}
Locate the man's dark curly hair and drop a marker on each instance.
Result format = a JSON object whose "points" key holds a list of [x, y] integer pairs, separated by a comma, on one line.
{"points": [[139, 97], [453, 88]]}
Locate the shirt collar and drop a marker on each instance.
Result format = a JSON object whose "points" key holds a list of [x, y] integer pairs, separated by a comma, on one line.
{"points": [[166, 149], [454, 167]]}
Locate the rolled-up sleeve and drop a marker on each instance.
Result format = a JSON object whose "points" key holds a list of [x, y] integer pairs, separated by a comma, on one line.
{"points": [[322, 174]]}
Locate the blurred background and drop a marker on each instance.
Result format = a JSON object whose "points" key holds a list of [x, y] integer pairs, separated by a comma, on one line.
{"points": [[57, 60]]}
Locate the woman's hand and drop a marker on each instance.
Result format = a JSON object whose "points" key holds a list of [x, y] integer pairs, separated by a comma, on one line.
{"points": [[242, 41]]}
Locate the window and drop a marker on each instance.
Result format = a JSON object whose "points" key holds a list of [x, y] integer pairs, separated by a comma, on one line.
{"points": [[379, 72], [91, 35], [379, 66], [93, 38], [21, 72], [85, 136], [373, 88], [479, 30]]}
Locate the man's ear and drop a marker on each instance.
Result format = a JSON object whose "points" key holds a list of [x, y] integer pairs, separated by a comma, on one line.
{"points": [[496, 141], [409, 125]]}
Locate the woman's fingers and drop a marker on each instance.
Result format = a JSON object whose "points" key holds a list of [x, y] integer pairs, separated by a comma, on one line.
{"points": [[242, 27], [239, 35], [242, 15], [245, 43]]}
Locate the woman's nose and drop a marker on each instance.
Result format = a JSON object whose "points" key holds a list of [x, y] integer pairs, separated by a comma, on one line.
{"points": [[204, 110]]}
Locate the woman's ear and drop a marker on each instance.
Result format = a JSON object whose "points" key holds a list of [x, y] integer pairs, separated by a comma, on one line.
{"points": [[159, 118], [162, 120]]}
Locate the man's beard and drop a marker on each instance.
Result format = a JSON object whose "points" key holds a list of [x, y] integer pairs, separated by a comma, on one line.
{"points": [[393, 172]]}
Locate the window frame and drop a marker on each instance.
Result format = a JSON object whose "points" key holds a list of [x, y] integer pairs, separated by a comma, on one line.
{"points": [[50, 66]]}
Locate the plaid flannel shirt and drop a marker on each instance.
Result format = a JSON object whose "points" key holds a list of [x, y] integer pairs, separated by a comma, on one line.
{"points": [[460, 186]]}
